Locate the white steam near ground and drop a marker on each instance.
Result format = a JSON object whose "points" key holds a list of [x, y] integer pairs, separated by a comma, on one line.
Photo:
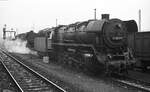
{"points": [[16, 46]]}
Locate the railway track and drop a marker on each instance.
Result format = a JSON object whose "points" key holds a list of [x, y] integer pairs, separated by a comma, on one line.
{"points": [[135, 83], [30, 84], [6, 83], [129, 82], [26, 79]]}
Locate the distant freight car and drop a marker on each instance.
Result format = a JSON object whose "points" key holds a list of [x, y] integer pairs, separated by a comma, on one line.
{"points": [[139, 42]]}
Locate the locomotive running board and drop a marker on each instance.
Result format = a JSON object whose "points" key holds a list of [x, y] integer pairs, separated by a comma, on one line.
{"points": [[97, 54], [69, 44]]}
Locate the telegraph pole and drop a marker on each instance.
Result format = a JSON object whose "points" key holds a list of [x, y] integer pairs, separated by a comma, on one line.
{"points": [[4, 32], [139, 20], [56, 22], [95, 13]]}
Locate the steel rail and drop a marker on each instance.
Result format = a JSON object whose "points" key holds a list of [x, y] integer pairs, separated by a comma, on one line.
{"points": [[131, 84], [2, 61], [33, 71]]}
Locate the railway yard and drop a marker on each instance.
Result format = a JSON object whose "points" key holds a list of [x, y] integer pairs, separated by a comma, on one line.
{"points": [[74, 46], [67, 79], [106, 55]]}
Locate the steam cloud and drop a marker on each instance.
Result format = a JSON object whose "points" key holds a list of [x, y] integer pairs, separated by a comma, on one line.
{"points": [[17, 46]]}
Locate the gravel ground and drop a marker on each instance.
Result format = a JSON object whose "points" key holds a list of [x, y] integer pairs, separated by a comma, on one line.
{"points": [[6, 83], [77, 80]]}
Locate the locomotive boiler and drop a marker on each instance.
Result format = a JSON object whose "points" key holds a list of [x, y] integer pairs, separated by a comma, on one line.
{"points": [[96, 44]]}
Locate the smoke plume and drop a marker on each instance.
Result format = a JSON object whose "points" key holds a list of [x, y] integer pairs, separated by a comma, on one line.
{"points": [[16, 46]]}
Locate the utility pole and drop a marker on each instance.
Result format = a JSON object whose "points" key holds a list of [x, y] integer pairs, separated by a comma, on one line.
{"points": [[4, 32], [56, 22], [95, 13], [139, 20], [33, 27]]}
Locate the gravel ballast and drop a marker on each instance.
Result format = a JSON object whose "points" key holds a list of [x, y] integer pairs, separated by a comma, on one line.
{"points": [[79, 81]]}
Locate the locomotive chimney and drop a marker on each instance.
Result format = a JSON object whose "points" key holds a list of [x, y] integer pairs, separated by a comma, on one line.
{"points": [[105, 16]]}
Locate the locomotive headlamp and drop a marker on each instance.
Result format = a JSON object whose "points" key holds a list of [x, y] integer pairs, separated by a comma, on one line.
{"points": [[117, 38], [118, 26], [109, 56], [88, 55]]}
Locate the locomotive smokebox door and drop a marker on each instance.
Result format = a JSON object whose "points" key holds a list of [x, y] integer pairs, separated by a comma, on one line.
{"points": [[114, 33]]}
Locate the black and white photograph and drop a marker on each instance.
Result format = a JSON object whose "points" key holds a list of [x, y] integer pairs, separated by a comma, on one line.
{"points": [[75, 46]]}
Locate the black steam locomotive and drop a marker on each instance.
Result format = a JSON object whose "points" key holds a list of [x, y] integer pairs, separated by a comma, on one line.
{"points": [[95, 44]]}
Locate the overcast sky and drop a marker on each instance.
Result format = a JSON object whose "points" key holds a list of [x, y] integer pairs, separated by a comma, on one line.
{"points": [[26, 14]]}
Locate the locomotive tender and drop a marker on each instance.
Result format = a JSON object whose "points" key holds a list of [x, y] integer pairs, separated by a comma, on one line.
{"points": [[98, 44], [139, 42]]}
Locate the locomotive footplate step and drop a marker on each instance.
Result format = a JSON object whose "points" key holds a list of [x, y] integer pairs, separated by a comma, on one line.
{"points": [[139, 76]]}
